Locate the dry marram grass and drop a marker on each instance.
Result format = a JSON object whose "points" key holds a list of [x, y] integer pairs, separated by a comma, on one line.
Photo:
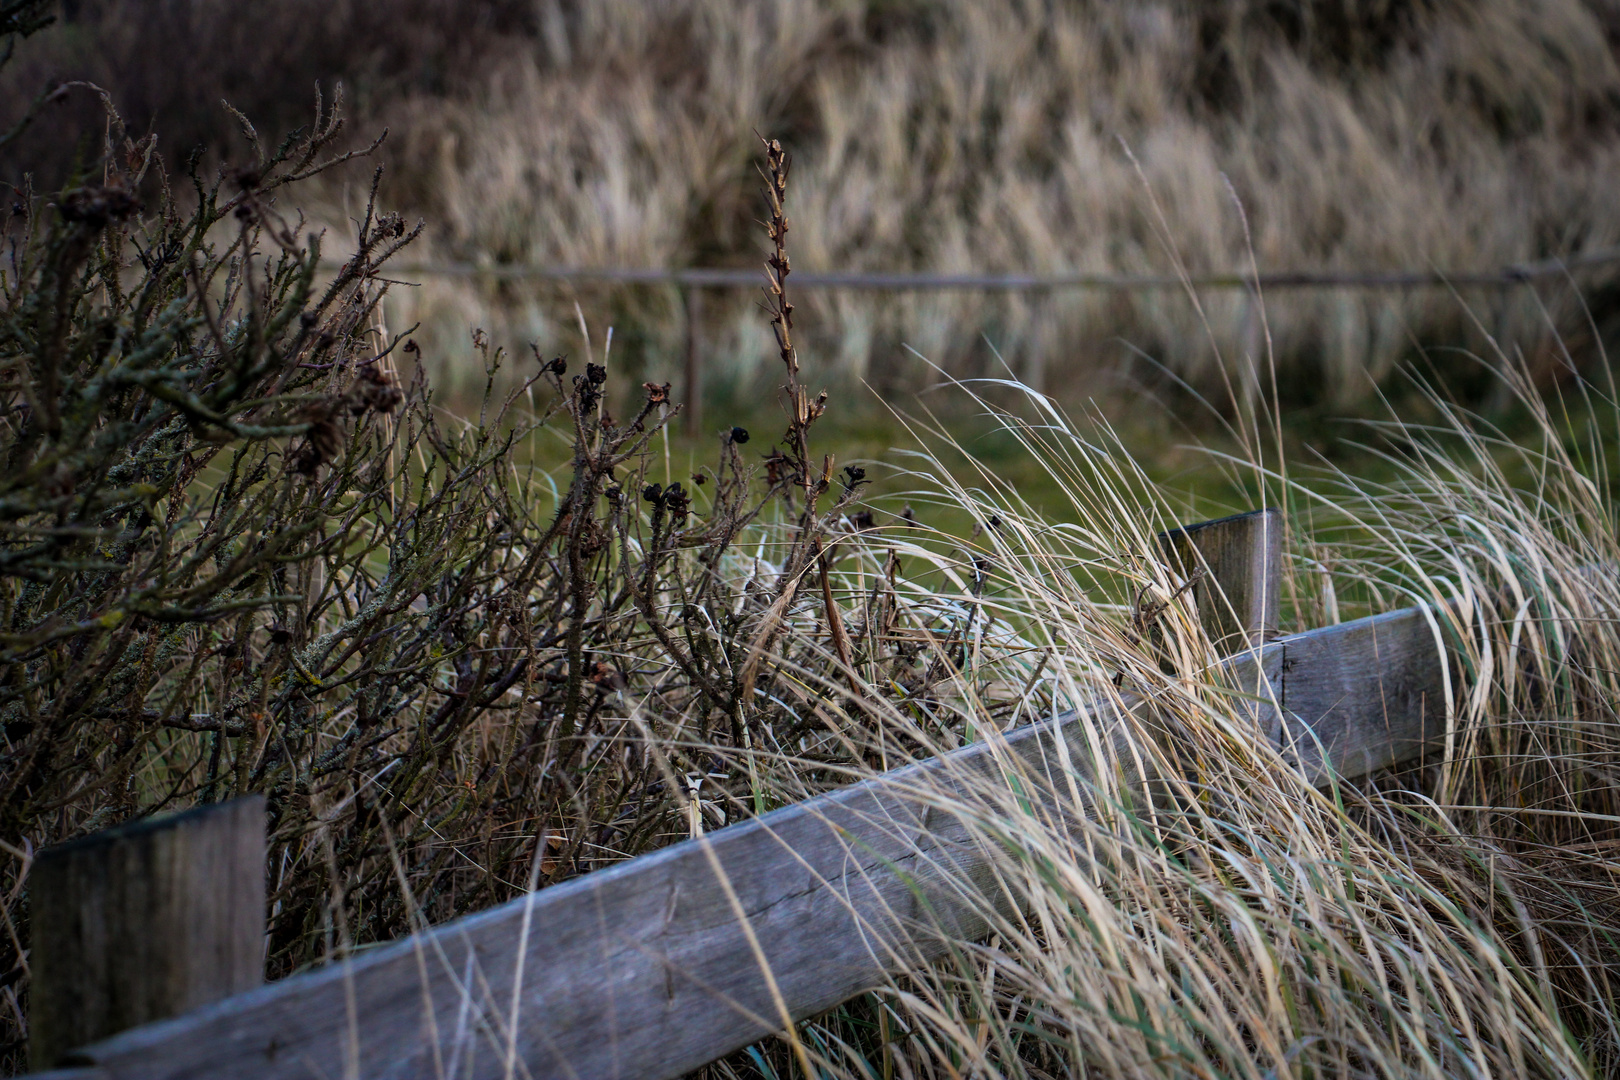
{"points": [[976, 137]]}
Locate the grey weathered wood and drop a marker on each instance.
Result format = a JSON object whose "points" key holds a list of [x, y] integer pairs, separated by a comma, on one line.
{"points": [[646, 970], [692, 390], [1235, 564], [143, 922], [1363, 695], [1511, 277]]}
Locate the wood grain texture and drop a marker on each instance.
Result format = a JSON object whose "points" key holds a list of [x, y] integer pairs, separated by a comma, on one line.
{"points": [[1363, 695], [646, 970], [1236, 565], [144, 922]]}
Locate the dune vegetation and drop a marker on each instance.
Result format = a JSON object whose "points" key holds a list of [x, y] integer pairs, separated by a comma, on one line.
{"points": [[247, 548]]}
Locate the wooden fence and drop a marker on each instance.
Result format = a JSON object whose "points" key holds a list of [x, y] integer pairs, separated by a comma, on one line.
{"points": [[668, 961], [691, 282]]}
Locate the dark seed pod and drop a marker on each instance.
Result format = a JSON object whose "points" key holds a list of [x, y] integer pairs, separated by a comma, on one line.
{"points": [[739, 435], [653, 494], [324, 440], [374, 390], [96, 206], [676, 501], [776, 466]]}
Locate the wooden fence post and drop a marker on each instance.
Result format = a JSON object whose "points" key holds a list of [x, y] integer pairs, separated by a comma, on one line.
{"points": [[692, 394], [1238, 565], [144, 922]]}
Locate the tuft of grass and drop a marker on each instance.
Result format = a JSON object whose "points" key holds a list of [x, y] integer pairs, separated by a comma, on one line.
{"points": [[1454, 919]]}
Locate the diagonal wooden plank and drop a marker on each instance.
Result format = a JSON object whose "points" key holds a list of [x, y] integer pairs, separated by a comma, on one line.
{"points": [[643, 970], [647, 970]]}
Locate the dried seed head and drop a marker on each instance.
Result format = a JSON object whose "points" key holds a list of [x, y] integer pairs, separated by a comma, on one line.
{"points": [[324, 440], [375, 391], [607, 676], [676, 501], [739, 435], [776, 466], [656, 394], [96, 206]]}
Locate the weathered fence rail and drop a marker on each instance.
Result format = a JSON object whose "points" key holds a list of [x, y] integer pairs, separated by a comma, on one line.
{"points": [[749, 277], [673, 959], [692, 281]]}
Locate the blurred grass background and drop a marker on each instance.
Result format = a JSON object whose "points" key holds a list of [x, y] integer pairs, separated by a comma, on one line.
{"points": [[1096, 136]]}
